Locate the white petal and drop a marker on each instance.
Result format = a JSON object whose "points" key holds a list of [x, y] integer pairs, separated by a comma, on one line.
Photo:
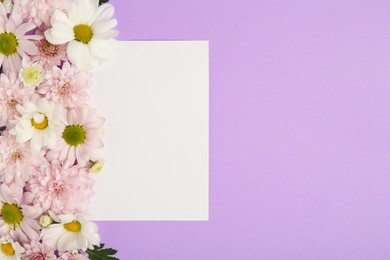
{"points": [[78, 54], [105, 12], [103, 49], [57, 38], [104, 26]]}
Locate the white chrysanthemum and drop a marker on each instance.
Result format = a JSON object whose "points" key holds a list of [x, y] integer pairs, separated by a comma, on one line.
{"points": [[10, 249], [31, 73], [88, 28], [71, 233], [38, 123]]}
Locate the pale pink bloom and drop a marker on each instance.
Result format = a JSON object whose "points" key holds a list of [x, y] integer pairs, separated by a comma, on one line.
{"points": [[74, 255], [69, 86], [38, 251], [12, 93], [40, 11], [80, 137], [49, 54], [62, 189], [16, 39], [18, 217], [16, 161]]}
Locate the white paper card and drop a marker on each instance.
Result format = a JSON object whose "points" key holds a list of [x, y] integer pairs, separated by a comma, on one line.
{"points": [[154, 97]]}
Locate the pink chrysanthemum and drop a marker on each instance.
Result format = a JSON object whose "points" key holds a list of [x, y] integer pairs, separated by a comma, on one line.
{"points": [[15, 40], [62, 189], [40, 11], [18, 217], [12, 93], [16, 161], [74, 255], [49, 54], [37, 251], [80, 137], [68, 86]]}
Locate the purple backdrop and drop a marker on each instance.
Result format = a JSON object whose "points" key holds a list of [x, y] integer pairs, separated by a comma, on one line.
{"points": [[300, 130]]}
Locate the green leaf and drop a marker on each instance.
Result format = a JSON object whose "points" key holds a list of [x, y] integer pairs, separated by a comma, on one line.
{"points": [[103, 1], [101, 253]]}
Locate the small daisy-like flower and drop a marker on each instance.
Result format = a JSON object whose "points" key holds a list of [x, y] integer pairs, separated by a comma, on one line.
{"points": [[72, 233], [49, 54], [10, 249], [12, 93], [62, 189], [38, 123], [15, 40], [96, 167], [31, 73], [16, 161], [18, 218], [38, 251], [88, 28], [80, 138], [67, 85]]}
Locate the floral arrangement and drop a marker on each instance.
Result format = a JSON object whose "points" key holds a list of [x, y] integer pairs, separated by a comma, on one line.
{"points": [[50, 136]]}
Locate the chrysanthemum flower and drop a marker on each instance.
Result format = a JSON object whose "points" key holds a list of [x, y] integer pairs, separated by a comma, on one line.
{"points": [[15, 40], [49, 54], [10, 249], [88, 28], [12, 93], [74, 255], [80, 137], [38, 122], [18, 218], [62, 189], [31, 74], [38, 251], [40, 11], [16, 161], [72, 233], [67, 85]]}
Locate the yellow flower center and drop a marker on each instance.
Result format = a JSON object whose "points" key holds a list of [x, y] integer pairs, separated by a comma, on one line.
{"points": [[74, 135], [73, 226], [8, 44], [7, 249], [83, 33], [11, 214], [39, 121]]}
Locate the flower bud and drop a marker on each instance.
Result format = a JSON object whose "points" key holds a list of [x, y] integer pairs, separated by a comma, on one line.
{"points": [[45, 221]]}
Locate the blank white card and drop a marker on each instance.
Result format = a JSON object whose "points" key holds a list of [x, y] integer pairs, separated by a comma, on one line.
{"points": [[154, 97]]}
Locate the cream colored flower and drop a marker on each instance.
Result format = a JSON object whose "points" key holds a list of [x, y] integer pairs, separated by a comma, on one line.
{"points": [[88, 30]]}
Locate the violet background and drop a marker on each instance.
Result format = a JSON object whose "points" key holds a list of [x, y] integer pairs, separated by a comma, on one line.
{"points": [[299, 129]]}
